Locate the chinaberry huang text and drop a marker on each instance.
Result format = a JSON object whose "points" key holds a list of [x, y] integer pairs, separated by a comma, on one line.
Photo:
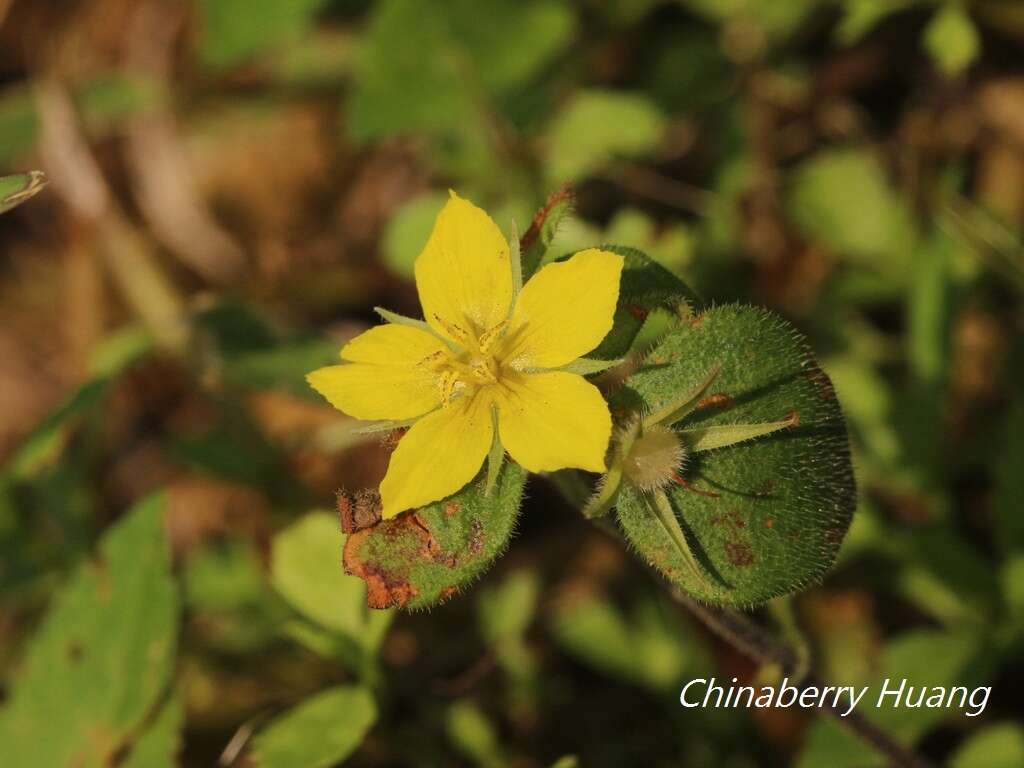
{"points": [[890, 693]]}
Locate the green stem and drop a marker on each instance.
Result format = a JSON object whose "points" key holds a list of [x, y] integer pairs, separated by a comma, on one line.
{"points": [[785, 616]]}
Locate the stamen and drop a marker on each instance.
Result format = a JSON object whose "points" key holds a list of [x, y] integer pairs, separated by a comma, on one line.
{"points": [[483, 368], [453, 330], [490, 336], [447, 383], [433, 357]]}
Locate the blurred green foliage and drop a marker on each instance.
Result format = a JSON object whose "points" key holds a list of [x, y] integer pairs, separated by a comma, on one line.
{"points": [[854, 165], [103, 659]]}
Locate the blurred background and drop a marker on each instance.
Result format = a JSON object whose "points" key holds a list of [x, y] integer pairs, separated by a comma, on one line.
{"points": [[234, 184]]}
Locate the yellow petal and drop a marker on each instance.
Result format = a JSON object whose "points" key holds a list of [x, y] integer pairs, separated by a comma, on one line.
{"points": [[463, 275], [438, 455], [554, 420], [390, 375], [564, 311], [376, 391], [393, 345]]}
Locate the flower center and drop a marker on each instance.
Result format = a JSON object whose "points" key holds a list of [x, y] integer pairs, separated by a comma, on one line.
{"points": [[475, 368]]}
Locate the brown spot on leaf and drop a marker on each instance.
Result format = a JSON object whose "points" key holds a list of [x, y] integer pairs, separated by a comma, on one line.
{"points": [[384, 591], [732, 519], [452, 508], [769, 523], [388, 582], [75, 651], [476, 538], [739, 553], [717, 400]]}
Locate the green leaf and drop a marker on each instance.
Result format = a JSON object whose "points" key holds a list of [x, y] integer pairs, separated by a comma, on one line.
{"points": [[995, 746], [764, 517], [597, 127], [158, 745], [474, 735], [861, 16], [421, 558], [223, 576], [318, 733], [646, 287], [507, 609], [15, 190], [773, 19], [306, 569], [102, 658], [408, 230], [671, 245], [425, 69], [951, 38], [234, 30], [842, 199]]}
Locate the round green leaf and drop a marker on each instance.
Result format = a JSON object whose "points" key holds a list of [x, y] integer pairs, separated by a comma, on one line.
{"points": [[306, 570], [423, 557], [318, 733], [764, 517]]}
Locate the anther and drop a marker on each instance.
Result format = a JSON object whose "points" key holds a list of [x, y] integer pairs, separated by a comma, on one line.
{"points": [[490, 336]]}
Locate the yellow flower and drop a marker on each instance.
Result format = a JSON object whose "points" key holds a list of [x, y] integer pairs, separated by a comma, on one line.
{"points": [[485, 359]]}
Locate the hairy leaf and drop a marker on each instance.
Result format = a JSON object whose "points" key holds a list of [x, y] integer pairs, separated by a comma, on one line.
{"points": [[535, 241], [763, 517], [646, 286], [423, 557]]}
